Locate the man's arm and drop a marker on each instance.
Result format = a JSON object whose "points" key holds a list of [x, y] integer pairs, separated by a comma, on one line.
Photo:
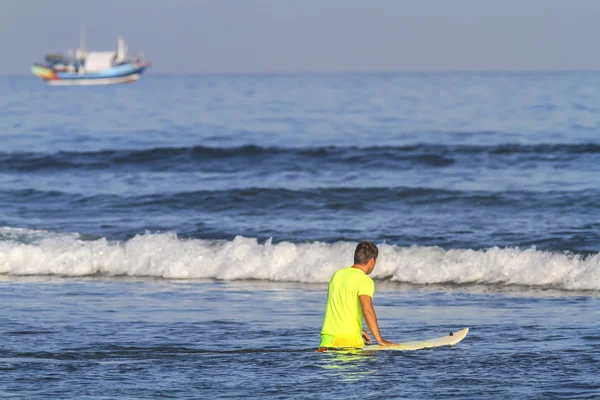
{"points": [[366, 302]]}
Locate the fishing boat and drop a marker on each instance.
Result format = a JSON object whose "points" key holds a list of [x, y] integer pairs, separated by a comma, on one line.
{"points": [[84, 67]]}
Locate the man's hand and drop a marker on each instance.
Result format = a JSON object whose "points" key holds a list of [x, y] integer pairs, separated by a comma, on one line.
{"points": [[383, 342], [366, 337]]}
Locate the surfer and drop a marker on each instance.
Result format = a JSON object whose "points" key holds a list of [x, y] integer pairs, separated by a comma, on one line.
{"points": [[349, 299]]}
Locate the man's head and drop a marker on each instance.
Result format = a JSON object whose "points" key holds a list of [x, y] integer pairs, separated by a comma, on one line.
{"points": [[366, 254]]}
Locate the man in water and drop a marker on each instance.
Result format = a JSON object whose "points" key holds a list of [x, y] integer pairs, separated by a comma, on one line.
{"points": [[350, 298]]}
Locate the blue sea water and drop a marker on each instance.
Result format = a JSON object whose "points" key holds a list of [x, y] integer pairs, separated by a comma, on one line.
{"points": [[173, 238]]}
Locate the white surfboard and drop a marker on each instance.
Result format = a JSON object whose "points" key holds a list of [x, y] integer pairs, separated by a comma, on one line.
{"points": [[449, 340]]}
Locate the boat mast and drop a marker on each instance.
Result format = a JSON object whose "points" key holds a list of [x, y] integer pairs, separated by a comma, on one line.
{"points": [[82, 37], [121, 49], [81, 53]]}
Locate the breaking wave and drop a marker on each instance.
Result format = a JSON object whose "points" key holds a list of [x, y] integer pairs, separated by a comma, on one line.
{"points": [[164, 255]]}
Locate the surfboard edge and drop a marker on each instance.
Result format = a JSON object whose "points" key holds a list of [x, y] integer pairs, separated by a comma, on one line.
{"points": [[448, 340]]}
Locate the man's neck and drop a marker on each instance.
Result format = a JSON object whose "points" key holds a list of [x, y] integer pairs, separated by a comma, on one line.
{"points": [[364, 268]]}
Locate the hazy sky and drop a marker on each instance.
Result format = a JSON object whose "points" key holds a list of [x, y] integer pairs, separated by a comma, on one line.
{"points": [[311, 35]]}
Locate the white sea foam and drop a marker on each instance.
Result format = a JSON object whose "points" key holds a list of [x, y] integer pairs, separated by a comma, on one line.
{"points": [[167, 256]]}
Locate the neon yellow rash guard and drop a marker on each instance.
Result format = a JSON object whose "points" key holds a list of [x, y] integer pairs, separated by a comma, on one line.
{"points": [[342, 325]]}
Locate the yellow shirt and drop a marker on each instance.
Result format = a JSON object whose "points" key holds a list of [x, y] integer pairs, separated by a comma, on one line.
{"points": [[342, 326]]}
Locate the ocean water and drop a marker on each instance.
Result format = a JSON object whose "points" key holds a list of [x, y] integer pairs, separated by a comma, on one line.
{"points": [[173, 238]]}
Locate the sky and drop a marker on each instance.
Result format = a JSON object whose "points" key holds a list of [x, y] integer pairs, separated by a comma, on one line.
{"points": [[262, 36]]}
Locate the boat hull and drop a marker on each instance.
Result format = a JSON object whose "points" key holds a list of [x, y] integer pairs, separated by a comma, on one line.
{"points": [[94, 81], [125, 73]]}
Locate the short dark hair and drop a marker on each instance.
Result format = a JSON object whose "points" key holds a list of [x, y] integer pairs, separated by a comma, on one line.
{"points": [[364, 252]]}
